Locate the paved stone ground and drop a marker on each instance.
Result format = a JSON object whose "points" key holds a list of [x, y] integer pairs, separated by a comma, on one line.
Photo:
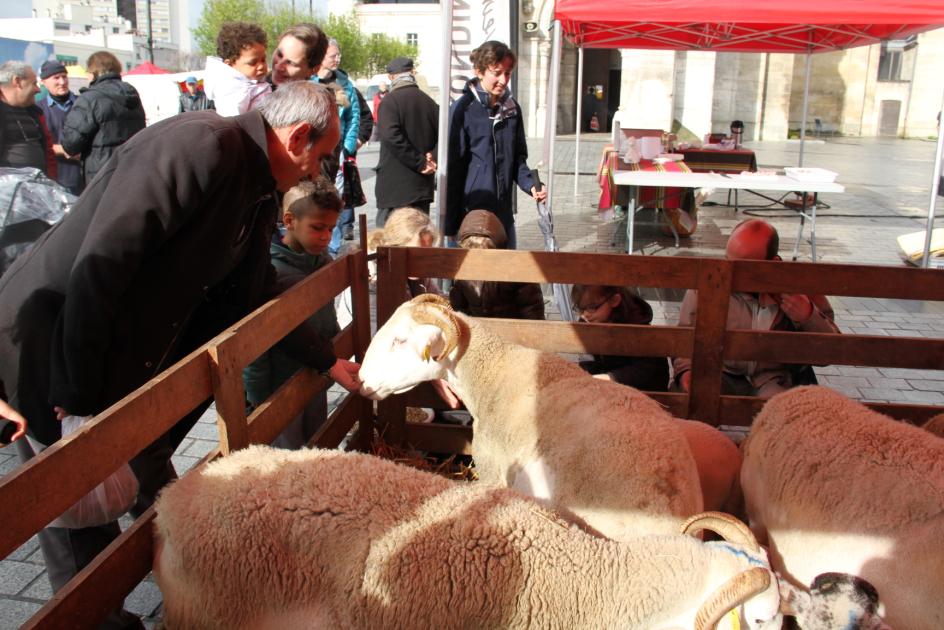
{"points": [[887, 192]]}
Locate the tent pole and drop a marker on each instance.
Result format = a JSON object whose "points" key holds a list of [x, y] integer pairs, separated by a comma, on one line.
{"points": [[935, 189], [579, 115], [806, 102], [550, 120], [442, 154]]}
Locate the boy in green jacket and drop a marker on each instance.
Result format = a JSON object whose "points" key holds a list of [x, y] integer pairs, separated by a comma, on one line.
{"points": [[310, 211]]}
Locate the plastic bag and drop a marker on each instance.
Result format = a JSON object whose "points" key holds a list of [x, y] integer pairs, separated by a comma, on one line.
{"points": [[30, 203], [107, 501]]}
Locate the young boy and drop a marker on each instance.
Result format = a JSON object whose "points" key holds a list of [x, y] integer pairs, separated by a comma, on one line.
{"points": [[482, 229], [235, 80], [310, 211]]}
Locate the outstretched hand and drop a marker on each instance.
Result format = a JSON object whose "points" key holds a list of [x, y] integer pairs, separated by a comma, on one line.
{"points": [[11, 414], [446, 393], [346, 374]]}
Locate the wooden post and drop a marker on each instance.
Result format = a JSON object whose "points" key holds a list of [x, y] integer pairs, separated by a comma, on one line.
{"points": [[360, 301], [714, 290], [391, 293], [226, 374]]}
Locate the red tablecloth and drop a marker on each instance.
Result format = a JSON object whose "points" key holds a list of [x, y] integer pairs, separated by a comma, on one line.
{"points": [[653, 197], [732, 161]]}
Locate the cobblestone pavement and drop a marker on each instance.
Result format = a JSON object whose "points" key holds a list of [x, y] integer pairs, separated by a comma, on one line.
{"points": [[887, 192]]}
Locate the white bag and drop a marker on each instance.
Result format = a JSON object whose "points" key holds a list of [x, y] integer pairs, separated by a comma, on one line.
{"points": [[107, 501]]}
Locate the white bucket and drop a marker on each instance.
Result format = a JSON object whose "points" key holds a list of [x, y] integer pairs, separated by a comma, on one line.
{"points": [[650, 147]]}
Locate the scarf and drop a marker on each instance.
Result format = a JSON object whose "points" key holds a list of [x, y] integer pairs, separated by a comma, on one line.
{"points": [[505, 108], [402, 80]]}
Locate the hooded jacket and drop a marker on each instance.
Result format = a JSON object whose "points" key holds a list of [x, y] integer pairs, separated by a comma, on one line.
{"points": [[104, 117], [488, 298], [230, 90], [350, 114], [488, 154], [267, 373]]}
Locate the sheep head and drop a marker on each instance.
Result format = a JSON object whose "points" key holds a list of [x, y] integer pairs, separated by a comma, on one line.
{"points": [[835, 600], [752, 594], [410, 348]]}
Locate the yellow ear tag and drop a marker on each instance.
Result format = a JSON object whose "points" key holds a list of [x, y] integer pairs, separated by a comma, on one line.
{"points": [[426, 354], [735, 620]]}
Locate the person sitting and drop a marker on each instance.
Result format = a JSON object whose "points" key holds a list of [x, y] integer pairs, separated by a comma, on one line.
{"points": [[408, 227], [481, 229], [600, 304], [756, 239], [235, 80], [310, 211]]}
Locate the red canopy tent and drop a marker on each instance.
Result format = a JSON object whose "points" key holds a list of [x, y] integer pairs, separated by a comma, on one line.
{"points": [[147, 68], [776, 26]]}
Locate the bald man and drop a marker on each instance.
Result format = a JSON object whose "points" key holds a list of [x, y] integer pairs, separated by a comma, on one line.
{"points": [[756, 239]]}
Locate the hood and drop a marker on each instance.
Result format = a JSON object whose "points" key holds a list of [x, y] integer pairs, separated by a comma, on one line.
{"points": [[111, 83], [483, 223], [300, 260]]}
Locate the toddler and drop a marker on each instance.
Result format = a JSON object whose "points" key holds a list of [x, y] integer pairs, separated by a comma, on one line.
{"points": [[235, 80]]}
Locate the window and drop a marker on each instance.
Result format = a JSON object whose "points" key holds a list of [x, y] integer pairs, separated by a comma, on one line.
{"points": [[412, 39], [890, 59]]}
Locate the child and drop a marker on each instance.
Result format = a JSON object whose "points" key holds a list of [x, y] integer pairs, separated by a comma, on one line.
{"points": [[309, 212], [235, 80], [408, 227], [481, 229], [598, 304]]}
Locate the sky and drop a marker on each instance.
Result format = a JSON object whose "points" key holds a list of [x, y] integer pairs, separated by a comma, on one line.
{"points": [[16, 8]]}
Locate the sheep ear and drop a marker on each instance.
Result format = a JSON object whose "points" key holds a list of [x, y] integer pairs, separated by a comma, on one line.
{"points": [[427, 340]]}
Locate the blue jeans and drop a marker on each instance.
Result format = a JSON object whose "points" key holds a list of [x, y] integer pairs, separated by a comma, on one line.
{"points": [[346, 218]]}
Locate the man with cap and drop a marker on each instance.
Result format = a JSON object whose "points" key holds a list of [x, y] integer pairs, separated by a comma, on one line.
{"points": [[55, 106], [194, 99], [408, 125]]}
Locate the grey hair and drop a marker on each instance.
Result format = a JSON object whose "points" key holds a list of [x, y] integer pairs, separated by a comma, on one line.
{"points": [[300, 101], [10, 69], [333, 42]]}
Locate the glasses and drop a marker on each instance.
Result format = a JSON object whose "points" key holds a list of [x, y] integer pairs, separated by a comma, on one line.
{"points": [[592, 308]]}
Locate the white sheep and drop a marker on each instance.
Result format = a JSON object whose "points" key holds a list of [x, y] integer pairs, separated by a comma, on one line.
{"points": [[280, 539], [835, 486], [542, 425]]}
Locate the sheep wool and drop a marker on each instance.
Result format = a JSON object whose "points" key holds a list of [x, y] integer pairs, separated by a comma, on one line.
{"points": [[839, 487], [301, 539]]}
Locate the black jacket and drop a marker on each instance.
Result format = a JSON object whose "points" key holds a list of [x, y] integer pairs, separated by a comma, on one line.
{"points": [[488, 154], [169, 245], [103, 118], [408, 128]]}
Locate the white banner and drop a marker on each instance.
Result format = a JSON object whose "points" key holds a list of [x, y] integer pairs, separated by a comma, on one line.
{"points": [[475, 22]]}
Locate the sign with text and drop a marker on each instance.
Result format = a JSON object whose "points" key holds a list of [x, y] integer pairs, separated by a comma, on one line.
{"points": [[473, 23]]}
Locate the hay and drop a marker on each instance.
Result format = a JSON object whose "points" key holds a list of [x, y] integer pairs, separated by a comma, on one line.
{"points": [[409, 456]]}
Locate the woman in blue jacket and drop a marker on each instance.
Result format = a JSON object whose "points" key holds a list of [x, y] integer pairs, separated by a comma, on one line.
{"points": [[488, 152]]}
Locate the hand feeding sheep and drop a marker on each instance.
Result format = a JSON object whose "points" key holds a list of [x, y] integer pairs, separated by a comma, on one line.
{"points": [[268, 538], [542, 425], [835, 486]]}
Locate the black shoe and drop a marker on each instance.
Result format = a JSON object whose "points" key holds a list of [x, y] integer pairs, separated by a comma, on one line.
{"points": [[348, 234]]}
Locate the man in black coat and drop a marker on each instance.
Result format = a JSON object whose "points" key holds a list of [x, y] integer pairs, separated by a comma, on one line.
{"points": [[164, 249], [408, 126]]}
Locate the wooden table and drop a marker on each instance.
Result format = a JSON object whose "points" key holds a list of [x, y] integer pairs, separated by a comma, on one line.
{"points": [[636, 179]]}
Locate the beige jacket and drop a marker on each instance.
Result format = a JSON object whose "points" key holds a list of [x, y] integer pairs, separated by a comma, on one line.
{"points": [[748, 312]]}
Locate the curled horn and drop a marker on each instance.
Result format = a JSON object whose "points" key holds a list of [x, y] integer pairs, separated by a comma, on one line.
{"points": [[725, 525], [730, 595], [436, 311]]}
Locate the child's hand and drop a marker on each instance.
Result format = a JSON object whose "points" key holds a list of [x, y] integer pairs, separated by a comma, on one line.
{"points": [[11, 414]]}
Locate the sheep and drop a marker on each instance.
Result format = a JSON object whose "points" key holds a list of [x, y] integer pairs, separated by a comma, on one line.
{"points": [[268, 538], [542, 425], [835, 486]]}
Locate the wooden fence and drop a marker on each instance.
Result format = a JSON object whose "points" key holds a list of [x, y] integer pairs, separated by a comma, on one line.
{"points": [[37, 492]]}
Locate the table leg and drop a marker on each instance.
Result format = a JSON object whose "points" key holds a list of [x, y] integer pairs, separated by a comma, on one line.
{"points": [[796, 246], [630, 218], [812, 224]]}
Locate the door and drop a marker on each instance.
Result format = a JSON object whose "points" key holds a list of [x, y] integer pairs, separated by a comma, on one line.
{"points": [[888, 118]]}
